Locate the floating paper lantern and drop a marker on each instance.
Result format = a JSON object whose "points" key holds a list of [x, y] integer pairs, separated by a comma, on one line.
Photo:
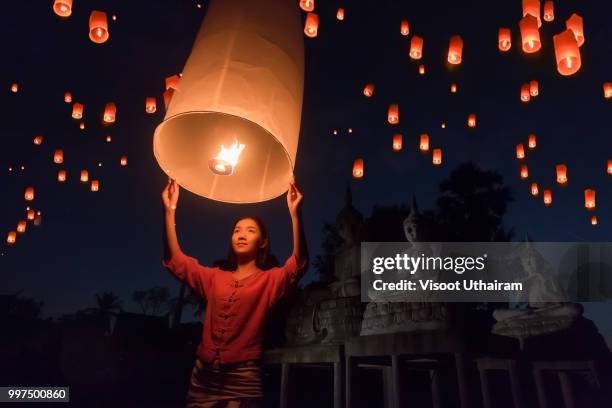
{"points": [[84, 176], [443, 125], [531, 143], [62, 8], [61, 176], [150, 104], [607, 89], [567, 53], [504, 40], [110, 112], [15, 88], [307, 5], [21, 227], [38, 140], [358, 169], [82, 125], [534, 189], [520, 151], [472, 120], [350, 130], [404, 27], [252, 94], [589, 199], [340, 14], [77, 110], [422, 69], [368, 90], [58, 157], [610, 167], [549, 11], [524, 172], [436, 158], [547, 197], [530, 35], [98, 27], [109, 139], [397, 142], [594, 220], [393, 114], [95, 185], [168, 93], [532, 7], [173, 82], [561, 174], [534, 88], [416, 47], [525, 95], [68, 97], [455, 50], [424, 143], [30, 215], [123, 161], [29, 194], [38, 219], [453, 88], [574, 23], [311, 27], [11, 238]]}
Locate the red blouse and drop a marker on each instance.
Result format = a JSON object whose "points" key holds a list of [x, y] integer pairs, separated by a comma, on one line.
{"points": [[236, 309]]}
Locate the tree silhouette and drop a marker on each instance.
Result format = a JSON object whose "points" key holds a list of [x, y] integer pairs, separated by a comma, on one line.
{"points": [[107, 306], [324, 263]]}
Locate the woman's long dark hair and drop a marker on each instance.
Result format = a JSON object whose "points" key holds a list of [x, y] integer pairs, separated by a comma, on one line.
{"points": [[264, 260]]}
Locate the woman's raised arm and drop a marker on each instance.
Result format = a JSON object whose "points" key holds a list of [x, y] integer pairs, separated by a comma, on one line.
{"points": [[294, 201], [170, 199]]}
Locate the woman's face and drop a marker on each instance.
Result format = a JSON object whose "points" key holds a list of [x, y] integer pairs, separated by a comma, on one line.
{"points": [[246, 238]]}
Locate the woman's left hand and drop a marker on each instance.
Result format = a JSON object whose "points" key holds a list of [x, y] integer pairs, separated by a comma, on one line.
{"points": [[294, 198]]}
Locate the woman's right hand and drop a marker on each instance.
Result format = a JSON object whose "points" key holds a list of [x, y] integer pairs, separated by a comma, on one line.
{"points": [[170, 195]]}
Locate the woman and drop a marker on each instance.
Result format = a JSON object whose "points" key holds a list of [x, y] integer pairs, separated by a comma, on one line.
{"points": [[227, 370]]}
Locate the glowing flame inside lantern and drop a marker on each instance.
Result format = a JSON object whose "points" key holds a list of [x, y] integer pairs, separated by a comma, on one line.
{"points": [[224, 163]]}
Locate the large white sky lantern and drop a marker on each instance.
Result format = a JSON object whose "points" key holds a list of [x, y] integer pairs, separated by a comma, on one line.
{"points": [[231, 131]]}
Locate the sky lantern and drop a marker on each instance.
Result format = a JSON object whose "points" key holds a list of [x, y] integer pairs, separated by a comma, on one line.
{"points": [[95, 185], [404, 28], [453, 88], [340, 14], [68, 97], [61, 176], [350, 130], [589, 199], [168, 97], [607, 89], [525, 95], [173, 82], [534, 189], [574, 23], [610, 167], [110, 112], [455, 50], [532, 142], [109, 138], [307, 5], [530, 34], [62, 8], [368, 90], [30, 215], [504, 39], [436, 158], [15, 88], [21, 226], [416, 47], [424, 143], [58, 156], [123, 161], [534, 88], [549, 11], [594, 220], [524, 172], [256, 103], [520, 151], [311, 27], [77, 110], [532, 7], [82, 125], [358, 169], [150, 104], [561, 174], [98, 27], [547, 197], [38, 140], [29, 194], [397, 142], [38, 219], [84, 176], [393, 114], [567, 53], [11, 238], [471, 120], [422, 69]]}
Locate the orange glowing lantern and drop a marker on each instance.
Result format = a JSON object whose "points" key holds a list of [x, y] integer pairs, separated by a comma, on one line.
{"points": [[567, 53], [422, 69], [84, 176], [77, 110], [82, 125], [98, 27], [530, 35], [520, 151], [307, 5], [58, 157], [61, 176], [610, 167], [225, 162], [29, 194], [531, 143], [504, 39], [532, 7], [607, 88], [340, 14], [68, 97], [547, 198], [173, 82], [443, 125], [350, 130], [110, 113], [109, 139], [436, 158], [561, 174], [30, 215], [95, 185], [368, 90], [453, 88], [397, 142], [21, 227], [549, 11], [416, 47], [311, 27], [534, 189], [472, 120], [404, 27], [37, 219], [455, 50], [150, 104], [168, 97], [524, 172], [393, 114], [38, 140], [12, 237], [574, 23], [358, 169], [525, 95], [123, 160], [594, 220], [14, 88], [534, 88], [589, 199], [424, 143], [62, 8]]}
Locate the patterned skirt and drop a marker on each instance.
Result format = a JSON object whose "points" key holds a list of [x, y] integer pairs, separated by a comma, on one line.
{"points": [[225, 385]]}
